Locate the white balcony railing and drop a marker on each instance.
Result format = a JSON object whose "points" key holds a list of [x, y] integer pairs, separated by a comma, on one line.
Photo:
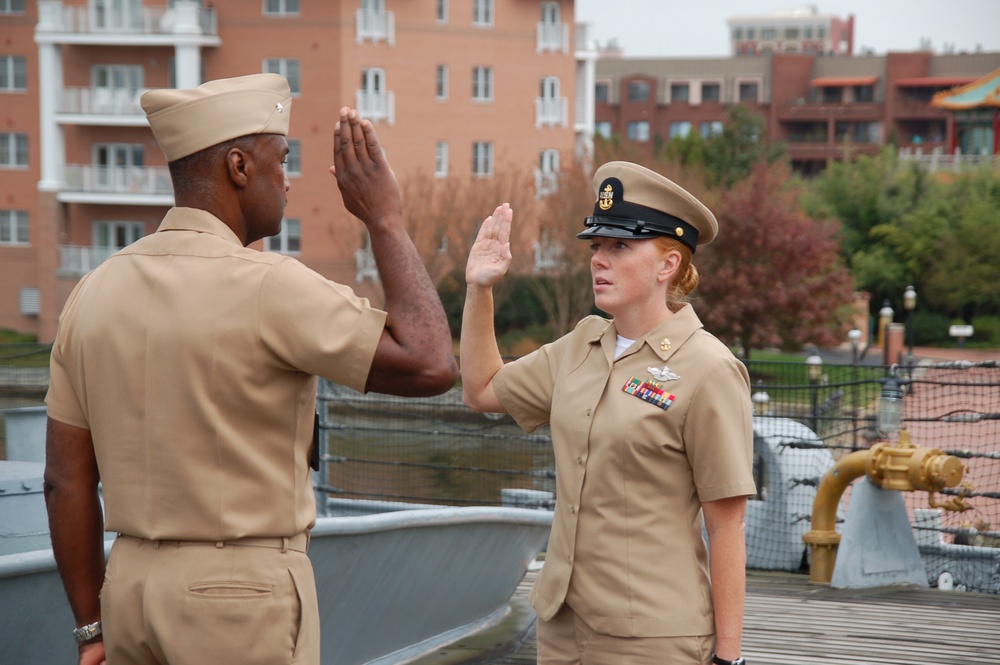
{"points": [[552, 37], [551, 112], [78, 260], [101, 101], [938, 160], [375, 26], [184, 17], [377, 106], [117, 179]]}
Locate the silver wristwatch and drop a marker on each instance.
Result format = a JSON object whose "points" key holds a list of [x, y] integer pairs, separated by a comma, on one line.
{"points": [[86, 633]]}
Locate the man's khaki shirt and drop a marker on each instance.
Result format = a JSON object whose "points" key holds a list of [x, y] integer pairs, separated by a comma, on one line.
{"points": [[626, 550], [193, 361]]}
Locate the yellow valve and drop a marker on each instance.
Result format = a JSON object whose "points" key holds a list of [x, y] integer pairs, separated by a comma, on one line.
{"points": [[905, 467]]}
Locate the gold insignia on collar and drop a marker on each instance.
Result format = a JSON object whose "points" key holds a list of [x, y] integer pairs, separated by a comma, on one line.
{"points": [[665, 344]]}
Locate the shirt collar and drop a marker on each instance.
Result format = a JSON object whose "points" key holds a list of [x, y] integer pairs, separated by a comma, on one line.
{"points": [[664, 339], [200, 221]]}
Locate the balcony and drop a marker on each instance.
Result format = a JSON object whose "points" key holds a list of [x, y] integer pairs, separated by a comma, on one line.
{"points": [[913, 109], [376, 106], [551, 112], [376, 26], [801, 109], [185, 21], [77, 260], [821, 150], [551, 37], [117, 185], [101, 106]]}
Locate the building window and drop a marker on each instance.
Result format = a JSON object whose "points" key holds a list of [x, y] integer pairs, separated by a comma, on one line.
{"points": [[638, 131], [638, 91], [791, 33], [112, 236], [441, 159], [14, 227], [442, 11], [441, 82], [374, 101], [711, 92], [821, 32], [11, 6], [750, 33], [603, 129], [679, 129], [601, 92], [118, 167], [864, 93], [768, 33], [748, 92], [482, 159], [287, 67], [680, 93], [482, 84], [549, 111], [737, 33], [832, 94], [547, 179], [808, 32], [482, 13], [281, 7], [293, 160], [13, 150], [288, 240], [710, 129], [13, 73]]}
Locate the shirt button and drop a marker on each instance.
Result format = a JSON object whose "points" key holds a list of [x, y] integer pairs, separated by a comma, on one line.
{"points": [[572, 510], [588, 412], [579, 460], [569, 559]]}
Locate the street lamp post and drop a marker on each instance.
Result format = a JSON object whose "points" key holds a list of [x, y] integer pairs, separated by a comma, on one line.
{"points": [[760, 400], [815, 367], [909, 303], [884, 319], [854, 336]]}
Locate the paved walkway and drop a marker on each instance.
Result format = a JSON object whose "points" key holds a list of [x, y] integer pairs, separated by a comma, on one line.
{"points": [[790, 621]]}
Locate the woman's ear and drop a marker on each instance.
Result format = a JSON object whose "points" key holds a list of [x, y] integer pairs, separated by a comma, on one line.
{"points": [[671, 263]]}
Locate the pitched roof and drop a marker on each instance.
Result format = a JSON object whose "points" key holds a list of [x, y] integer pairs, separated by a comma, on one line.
{"points": [[984, 92]]}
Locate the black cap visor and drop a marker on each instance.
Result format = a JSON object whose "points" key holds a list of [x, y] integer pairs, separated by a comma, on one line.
{"points": [[637, 229]]}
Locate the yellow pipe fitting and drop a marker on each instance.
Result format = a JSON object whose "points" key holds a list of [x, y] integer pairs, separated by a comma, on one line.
{"points": [[902, 467], [824, 538]]}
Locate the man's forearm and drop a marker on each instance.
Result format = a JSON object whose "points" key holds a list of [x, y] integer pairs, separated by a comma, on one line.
{"points": [[76, 525]]}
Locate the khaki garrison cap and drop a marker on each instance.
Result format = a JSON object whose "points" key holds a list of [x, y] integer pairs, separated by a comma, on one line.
{"points": [[634, 202], [186, 121]]}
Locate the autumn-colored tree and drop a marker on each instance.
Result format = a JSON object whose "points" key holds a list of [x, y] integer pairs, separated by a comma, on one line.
{"points": [[774, 276]]}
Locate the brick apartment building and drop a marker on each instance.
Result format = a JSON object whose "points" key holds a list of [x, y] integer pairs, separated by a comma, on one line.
{"points": [[456, 88], [824, 108]]}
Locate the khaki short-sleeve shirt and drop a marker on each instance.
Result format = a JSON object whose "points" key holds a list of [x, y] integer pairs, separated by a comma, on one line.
{"points": [[193, 361], [626, 550]]}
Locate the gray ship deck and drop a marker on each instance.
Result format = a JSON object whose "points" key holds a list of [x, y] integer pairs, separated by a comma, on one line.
{"points": [[792, 622]]}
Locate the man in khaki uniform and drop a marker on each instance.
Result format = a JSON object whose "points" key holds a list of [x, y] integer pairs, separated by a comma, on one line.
{"points": [[651, 429], [183, 379]]}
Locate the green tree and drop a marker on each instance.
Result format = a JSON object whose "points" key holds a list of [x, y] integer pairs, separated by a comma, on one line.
{"points": [[731, 156]]}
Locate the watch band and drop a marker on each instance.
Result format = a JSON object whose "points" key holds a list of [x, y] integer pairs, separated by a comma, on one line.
{"points": [[722, 661], [84, 634]]}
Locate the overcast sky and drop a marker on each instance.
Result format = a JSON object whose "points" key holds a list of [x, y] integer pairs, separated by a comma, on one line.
{"points": [[650, 28]]}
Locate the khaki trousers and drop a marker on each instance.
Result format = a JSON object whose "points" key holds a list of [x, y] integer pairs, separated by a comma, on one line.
{"points": [[250, 601], [567, 640]]}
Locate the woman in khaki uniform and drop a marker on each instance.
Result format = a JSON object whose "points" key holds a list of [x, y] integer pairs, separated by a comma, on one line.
{"points": [[652, 434]]}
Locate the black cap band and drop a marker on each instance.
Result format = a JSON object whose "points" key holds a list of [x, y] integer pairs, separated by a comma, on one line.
{"points": [[638, 221]]}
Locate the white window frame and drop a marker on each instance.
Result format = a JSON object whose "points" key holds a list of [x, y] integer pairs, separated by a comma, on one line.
{"points": [[482, 13], [441, 159], [637, 130], [13, 150], [11, 7], [551, 109], [115, 163], [293, 160], [13, 73], [373, 22], [15, 228], [442, 12], [290, 68], [374, 101], [680, 129], [441, 83], [282, 8], [288, 240], [547, 177], [482, 159], [482, 84], [115, 234]]}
